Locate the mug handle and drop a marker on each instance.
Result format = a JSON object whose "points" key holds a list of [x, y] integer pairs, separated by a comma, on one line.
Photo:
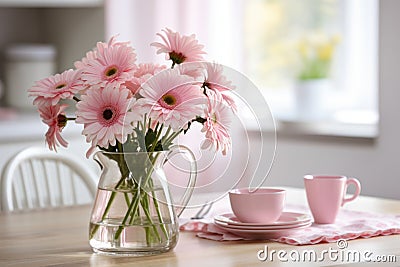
{"points": [[357, 184], [179, 149]]}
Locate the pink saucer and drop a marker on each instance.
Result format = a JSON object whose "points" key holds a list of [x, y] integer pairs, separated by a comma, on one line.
{"points": [[263, 227], [263, 234], [287, 218]]}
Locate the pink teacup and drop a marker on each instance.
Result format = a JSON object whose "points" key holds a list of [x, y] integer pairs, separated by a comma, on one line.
{"points": [[262, 205], [326, 194]]}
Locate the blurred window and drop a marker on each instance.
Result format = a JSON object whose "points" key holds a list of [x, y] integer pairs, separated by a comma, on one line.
{"points": [[276, 43], [289, 42]]}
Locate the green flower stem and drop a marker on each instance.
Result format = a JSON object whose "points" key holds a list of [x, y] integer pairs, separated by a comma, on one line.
{"points": [[132, 208], [127, 200], [148, 235], [160, 218], [110, 201], [169, 139], [113, 194], [145, 206], [166, 135], [153, 145]]}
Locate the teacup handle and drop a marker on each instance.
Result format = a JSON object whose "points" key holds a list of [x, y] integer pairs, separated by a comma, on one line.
{"points": [[179, 149], [357, 184]]}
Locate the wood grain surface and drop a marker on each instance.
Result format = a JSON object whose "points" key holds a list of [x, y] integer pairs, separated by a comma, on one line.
{"points": [[59, 237]]}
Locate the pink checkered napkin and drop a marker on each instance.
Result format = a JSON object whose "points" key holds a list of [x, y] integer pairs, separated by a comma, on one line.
{"points": [[349, 225]]}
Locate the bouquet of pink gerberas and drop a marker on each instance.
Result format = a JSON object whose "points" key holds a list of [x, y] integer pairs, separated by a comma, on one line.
{"points": [[115, 96], [129, 107]]}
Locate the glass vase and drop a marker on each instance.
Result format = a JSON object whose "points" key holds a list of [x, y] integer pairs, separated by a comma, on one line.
{"points": [[134, 213]]}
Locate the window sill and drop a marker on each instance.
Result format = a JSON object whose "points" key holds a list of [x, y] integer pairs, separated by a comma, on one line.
{"points": [[342, 123], [291, 126], [327, 128], [335, 119]]}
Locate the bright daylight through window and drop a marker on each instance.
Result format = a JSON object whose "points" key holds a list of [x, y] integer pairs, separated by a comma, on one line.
{"points": [[314, 59]]}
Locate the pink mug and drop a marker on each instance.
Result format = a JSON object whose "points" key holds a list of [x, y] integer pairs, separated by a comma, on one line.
{"points": [[326, 194]]}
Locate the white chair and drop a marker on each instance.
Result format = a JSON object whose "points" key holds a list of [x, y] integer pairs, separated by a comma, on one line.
{"points": [[37, 178]]}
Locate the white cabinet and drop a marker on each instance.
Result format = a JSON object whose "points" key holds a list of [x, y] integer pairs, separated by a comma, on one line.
{"points": [[73, 27], [51, 3]]}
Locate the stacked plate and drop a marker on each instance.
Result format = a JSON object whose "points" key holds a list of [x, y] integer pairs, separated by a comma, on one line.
{"points": [[288, 223]]}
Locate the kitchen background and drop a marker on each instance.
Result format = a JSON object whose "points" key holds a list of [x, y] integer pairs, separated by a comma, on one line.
{"points": [[366, 149]]}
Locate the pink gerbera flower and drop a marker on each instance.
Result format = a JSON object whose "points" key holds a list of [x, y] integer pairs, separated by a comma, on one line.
{"points": [[144, 69], [54, 117], [215, 80], [172, 99], [99, 46], [110, 63], [143, 72], [179, 48], [217, 124], [106, 116], [57, 87]]}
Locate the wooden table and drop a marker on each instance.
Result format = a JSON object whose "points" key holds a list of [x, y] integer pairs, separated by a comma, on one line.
{"points": [[60, 237]]}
